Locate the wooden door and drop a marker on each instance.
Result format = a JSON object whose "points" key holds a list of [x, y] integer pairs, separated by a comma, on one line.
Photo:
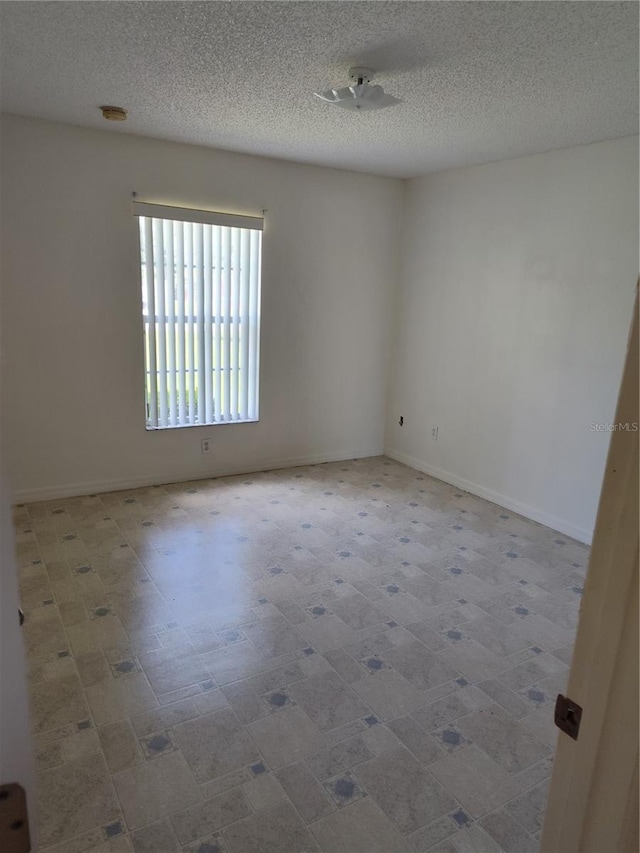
{"points": [[593, 798]]}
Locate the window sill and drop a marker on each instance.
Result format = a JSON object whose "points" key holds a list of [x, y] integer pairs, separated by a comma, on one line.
{"points": [[208, 424]]}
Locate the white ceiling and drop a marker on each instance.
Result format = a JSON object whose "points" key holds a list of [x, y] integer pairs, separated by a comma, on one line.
{"points": [[479, 81]]}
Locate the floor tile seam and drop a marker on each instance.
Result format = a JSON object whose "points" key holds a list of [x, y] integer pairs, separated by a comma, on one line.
{"points": [[247, 623], [433, 778], [245, 728], [250, 677], [116, 798], [50, 847], [497, 810], [454, 721], [221, 829], [357, 695], [66, 761], [501, 672], [77, 673], [502, 805], [413, 639], [353, 768], [550, 750], [497, 674], [169, 823], [379, 807], [304, 758], [517, 796], [345, 806], [159, 694], [168, 814], [220, 686], [126, 717], [287, 798], [126, 539], [255, 811], [114, 791]]}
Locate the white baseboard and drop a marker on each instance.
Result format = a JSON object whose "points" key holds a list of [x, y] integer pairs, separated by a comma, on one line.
{"points": [[552, 521], [70, 490], [49, 493]]}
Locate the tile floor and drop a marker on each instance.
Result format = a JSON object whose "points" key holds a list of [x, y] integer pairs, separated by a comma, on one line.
{"points": [[348, 658]]}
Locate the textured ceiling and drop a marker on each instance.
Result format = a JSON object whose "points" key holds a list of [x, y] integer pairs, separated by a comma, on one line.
{"points": [[478, 81]]}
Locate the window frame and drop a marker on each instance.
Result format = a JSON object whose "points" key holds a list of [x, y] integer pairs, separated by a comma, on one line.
{"points": [[223, 284]]}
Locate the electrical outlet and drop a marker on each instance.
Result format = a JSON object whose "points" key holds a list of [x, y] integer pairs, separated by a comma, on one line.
{"points": [[434, 433], [206, 445]]}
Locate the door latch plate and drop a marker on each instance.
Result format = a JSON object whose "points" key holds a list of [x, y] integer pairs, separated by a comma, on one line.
{"points": [[567, 716], [14, 825]]}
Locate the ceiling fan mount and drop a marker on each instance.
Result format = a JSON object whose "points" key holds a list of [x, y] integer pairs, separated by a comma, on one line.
{"points": [[360, 95], [360, 75]]}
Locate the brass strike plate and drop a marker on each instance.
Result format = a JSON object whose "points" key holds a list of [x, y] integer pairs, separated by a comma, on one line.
{"points": [[14, 825]]}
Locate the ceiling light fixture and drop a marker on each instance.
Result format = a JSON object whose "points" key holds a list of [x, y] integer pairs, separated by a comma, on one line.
{"points": [[114, 113], [361, 95]]}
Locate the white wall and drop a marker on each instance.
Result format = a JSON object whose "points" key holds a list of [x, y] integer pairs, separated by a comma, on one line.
{"points": [[511, 316], [511, 326], [72, 338]]}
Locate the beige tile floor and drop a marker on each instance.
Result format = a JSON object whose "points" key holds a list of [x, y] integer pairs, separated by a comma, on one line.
{"points": [[349, 658]]}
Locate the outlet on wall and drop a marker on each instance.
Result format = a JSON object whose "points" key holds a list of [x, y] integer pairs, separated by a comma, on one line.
{"points": [[206, 445], [434, 433]]}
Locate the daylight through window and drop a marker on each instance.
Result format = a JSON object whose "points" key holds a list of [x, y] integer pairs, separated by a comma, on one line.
{"points": [[201, 311]]}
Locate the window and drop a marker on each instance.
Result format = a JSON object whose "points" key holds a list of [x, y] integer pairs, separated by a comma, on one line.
{"points": [[201, 311]]}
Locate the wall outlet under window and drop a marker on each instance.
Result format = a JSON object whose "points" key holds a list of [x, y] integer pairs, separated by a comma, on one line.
{"points": [[206, 445], [434, 433]]}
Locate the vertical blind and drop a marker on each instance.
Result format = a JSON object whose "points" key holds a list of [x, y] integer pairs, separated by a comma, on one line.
{"points": [[201, 311]]}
